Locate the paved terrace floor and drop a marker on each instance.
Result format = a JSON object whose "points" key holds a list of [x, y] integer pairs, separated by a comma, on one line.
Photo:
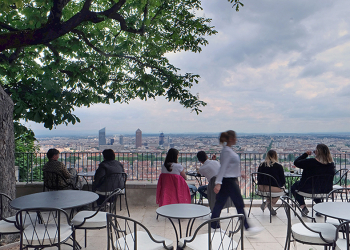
{"points": [[271, 238]]}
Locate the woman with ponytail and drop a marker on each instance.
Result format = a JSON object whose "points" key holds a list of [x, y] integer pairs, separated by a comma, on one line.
{"points": [[226, 184]]}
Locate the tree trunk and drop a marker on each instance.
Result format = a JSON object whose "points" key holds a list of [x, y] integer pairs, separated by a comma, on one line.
{"points": [[7, 150]]}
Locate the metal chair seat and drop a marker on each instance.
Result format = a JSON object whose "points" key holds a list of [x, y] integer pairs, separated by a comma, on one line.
{"points": [[45, 234], [303, 234], [97, 221], [144, 242], [219, 240]]}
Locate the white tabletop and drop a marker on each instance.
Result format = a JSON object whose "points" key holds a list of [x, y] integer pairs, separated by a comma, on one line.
{"points": [[336, 210], [87, 174], [183, 211]]}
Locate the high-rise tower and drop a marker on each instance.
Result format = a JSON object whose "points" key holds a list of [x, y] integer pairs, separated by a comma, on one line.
{"points": [[138, 138], [161, 139], [121, 140], [102, 136]]}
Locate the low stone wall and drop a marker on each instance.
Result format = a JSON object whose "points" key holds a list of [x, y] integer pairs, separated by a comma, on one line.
{"points": [[139, 193]]}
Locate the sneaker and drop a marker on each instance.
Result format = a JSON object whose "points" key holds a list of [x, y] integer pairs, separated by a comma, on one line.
{"points": [[251, 231], [272, 211], [263, 206], [305, 211]]}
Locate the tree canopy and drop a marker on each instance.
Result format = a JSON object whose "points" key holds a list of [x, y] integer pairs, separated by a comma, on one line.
{"points": [[56, 55]]}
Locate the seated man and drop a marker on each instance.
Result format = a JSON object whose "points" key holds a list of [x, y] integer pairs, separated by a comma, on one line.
{"points": [[106, 168], [209, 169], [53, 165]]}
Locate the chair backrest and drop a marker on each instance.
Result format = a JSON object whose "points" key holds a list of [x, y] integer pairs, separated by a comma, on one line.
{"points": [[49, 227], [228, 236], [56, 181], [341, 193], [112, 182], [343, 229], [317, 184], [124, 233], [291, 207], [5, 209], [102, 207], [172, 189], [268, 180], [341, 177]]}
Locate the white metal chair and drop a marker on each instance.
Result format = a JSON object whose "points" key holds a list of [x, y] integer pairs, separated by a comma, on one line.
{"points": [[310, 233], [116, 181], [265, 193], [343, 243], [52, 228], [316, 187], [341, 178], [90, 220], [126, 233], [228, 236], [7, 224]]}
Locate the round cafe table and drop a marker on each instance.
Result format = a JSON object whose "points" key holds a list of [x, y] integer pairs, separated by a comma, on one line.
{"points": [[183, 211], [63, 199], [336, 210]]}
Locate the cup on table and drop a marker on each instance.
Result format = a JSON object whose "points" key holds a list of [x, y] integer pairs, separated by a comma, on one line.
{"points": [[292, 171]]}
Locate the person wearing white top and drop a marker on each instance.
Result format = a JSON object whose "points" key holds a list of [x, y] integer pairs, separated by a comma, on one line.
{"points": [[209, 169], [226, 184], [171, 166]]}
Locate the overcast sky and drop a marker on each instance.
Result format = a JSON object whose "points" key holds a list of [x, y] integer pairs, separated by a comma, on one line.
{"points": [[273, 67]]}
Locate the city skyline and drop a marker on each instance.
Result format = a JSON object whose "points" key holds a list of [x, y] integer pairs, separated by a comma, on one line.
{"points": [[273, 67]]}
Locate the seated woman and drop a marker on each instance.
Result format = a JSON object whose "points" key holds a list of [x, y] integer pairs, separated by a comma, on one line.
{"points": [[322, 164], [171, 166], [108, 166], [272, 167]]}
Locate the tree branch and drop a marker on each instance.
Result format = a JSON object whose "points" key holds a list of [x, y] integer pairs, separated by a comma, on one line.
{"points": [[56, 12], [48, 33], [8, 27], [15, 54]]}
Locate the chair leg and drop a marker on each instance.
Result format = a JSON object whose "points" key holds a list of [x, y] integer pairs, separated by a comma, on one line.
{"points": [[251, 202], [85, 238], [126, 203]]}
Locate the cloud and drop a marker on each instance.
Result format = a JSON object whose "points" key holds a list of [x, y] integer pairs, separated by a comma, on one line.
{"points": [[273, 67]]}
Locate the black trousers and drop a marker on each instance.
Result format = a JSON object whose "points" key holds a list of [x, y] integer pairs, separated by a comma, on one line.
{"points": [[300, 199], [229, 188]]}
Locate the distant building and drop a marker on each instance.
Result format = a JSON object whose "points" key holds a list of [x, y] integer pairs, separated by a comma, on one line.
{"points": [[112, 141], [102, 137], [121, 140], [161, 139], [138, 138]]}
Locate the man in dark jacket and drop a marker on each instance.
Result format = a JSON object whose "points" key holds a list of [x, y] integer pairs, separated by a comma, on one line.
{"points": [[102, 184]]}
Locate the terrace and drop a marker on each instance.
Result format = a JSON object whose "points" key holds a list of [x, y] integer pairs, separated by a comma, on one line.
{"points": [[272, 237], [143, 170]]}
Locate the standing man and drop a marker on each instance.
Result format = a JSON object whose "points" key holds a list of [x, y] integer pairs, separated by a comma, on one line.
{"points": [[106, 168], [53, 165], [209, 169]]}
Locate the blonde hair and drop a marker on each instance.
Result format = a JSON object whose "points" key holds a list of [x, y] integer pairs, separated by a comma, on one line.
{"points": [[225, 136], [323, 154], [271, 158]]}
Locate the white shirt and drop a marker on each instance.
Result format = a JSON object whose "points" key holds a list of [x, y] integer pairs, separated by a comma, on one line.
{"points": [[209, 169], [230, 165], [176, 169]]}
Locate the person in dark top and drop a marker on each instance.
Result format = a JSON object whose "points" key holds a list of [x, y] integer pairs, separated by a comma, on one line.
{"points": [[322, 164], [272, 167], [107, 167], [53, 165]]}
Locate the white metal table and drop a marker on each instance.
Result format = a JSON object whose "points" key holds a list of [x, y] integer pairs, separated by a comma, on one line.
{"points": [[336, 210], [183, 211]]}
